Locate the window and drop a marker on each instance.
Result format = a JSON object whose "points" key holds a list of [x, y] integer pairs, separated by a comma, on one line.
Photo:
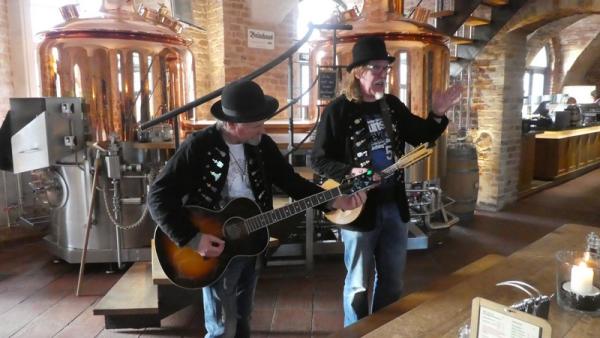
{"points": [[403, 78], [310, 11], [535, 82]]}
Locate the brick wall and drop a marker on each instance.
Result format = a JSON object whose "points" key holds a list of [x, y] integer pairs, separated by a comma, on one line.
{"points": [[241, 60], [5, 73], [222, 54], [208, 49], [496, 105]]}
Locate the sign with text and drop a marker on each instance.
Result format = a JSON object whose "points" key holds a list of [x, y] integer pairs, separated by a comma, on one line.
{"points": [[493, 320], [327, 84], [261, 39]]}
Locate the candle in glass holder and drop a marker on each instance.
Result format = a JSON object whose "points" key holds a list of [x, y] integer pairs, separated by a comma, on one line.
{"points": [[581, 279]]}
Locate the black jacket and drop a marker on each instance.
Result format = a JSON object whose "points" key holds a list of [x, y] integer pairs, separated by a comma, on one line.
{"points": [[196, 175], [343, 143]]}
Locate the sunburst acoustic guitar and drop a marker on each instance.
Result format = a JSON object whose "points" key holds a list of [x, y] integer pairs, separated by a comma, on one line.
{"points": [[243, 227], [346, 218]]}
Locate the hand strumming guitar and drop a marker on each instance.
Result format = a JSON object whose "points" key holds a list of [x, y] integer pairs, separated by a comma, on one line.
{"points": [[207, 245]]}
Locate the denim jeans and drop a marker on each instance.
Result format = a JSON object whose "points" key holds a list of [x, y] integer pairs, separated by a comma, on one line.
{"points": [[228, 302], [381, 251]]}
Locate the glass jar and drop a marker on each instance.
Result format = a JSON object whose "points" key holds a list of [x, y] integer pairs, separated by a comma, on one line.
{"points": [[578, 281]]}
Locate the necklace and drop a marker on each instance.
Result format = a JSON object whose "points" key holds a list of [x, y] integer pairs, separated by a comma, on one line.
{"points": [[243, 169]]}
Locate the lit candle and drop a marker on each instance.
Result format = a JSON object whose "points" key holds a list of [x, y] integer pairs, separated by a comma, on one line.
{"points": [[581, 279]]}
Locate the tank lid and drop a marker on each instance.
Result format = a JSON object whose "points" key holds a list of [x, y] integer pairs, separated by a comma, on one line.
{"points": [[121, 19], [378, 18]]}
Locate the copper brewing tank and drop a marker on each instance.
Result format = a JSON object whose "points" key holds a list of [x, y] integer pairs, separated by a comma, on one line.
{"points": [[421, 66], [128, 66]]}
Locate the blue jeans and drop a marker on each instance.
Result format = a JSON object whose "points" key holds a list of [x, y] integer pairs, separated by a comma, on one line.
{"points": [[228, 302], [382, 251]]}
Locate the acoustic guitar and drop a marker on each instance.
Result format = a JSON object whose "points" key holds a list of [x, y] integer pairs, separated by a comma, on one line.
{"points": [[346, 218], [243, 227]]}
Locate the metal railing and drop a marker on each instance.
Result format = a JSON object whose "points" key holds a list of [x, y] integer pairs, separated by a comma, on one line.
{"points": [[214, 94]]}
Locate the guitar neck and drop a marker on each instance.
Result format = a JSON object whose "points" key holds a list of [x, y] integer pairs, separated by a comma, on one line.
{"points": [[265, 219]]}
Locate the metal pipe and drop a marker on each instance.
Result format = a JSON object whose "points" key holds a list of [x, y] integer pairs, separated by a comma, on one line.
{"points": [[291, 108], [468, 103], [97, 163], [20, 193], [6, 208], [118, 217]]}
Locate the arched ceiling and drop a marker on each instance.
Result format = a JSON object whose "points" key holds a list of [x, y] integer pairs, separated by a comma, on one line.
{"points": [[542, 35], [584, 63]]}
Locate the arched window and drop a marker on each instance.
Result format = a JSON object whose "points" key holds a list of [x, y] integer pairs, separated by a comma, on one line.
{"points": [[535, 81]]}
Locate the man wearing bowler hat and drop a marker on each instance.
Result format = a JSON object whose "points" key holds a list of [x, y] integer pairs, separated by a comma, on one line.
{"points": [[231, 159], [364, 128]]}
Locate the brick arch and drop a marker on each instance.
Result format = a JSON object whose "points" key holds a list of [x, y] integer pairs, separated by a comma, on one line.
{"points": [[543, 35], [576, 75], [535, 14]]}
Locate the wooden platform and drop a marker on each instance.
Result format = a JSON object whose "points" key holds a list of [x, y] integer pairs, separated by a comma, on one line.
{"points": [[142, 297], [414, 299]]}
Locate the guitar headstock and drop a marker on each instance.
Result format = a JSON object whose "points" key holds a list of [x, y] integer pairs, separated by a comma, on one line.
{"points": [[357, 183]]}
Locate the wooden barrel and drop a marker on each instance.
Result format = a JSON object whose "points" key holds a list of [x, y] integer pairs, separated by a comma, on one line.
{"points": [[461, 182]]}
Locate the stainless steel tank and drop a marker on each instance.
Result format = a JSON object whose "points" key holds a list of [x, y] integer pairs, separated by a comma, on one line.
{"points": [[421, 66], [129, 66]]}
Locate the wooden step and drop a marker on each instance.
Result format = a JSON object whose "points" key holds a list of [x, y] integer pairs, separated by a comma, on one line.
{"points": [[457, 40], [442, 14], [132, 294], [133, 300], [496, 2], [476, 21], [158, 274], [409, 302]]}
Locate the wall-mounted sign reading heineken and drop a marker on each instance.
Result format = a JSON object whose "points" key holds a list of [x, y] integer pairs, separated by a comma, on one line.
{"points": [[327, 84]]}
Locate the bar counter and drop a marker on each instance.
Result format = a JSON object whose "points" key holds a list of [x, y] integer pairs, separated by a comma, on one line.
{"points": [[534, 264], [560, 153]]}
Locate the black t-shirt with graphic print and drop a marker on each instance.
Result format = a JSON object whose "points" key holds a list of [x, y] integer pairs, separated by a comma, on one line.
{"points": [[382, 155]]}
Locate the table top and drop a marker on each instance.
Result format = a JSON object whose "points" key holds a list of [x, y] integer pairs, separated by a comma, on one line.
{"points": [[561, 134], [534, 264]]}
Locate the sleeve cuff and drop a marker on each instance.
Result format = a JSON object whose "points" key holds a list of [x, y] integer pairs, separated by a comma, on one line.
{"points": [[193, 243]]}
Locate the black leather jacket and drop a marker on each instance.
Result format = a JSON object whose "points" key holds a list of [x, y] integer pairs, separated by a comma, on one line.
{"points": [[343, 143], [196, 175]]}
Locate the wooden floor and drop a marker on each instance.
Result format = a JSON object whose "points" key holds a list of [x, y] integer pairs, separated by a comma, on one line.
{"points": [[37, 295]]}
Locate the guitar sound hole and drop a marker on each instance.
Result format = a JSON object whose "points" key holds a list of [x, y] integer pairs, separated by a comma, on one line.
{"points": [[234, 229]]}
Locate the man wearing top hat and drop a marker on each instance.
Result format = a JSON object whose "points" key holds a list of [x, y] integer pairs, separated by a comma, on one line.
{"points": [[354, 135], [232, 158]]}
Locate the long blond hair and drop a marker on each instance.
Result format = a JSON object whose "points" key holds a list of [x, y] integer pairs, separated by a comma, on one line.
{"points": [[351, 85]]}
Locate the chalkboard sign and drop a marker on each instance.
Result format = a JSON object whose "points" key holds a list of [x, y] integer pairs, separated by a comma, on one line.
{"points": [[327, 84]]}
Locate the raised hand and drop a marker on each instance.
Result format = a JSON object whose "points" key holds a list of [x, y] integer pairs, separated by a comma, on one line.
{"points": [[442, 101]]}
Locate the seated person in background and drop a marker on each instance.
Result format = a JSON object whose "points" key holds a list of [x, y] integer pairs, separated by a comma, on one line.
{"points": [[595, 96], [544, 121], [575, 112]]}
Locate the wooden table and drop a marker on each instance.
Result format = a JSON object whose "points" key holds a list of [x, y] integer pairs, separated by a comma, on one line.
{"points": [[534, 264]]}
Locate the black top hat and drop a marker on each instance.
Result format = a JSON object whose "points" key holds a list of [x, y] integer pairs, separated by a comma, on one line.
{"points": [[242, 102], [369, 48]]}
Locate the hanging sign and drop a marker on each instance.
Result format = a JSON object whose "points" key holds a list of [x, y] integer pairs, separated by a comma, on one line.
{"points": [[261, 39], [327, 84]]}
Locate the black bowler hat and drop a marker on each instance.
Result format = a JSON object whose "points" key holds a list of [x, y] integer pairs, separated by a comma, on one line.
{"points": [[242, 102], [367, 49]]}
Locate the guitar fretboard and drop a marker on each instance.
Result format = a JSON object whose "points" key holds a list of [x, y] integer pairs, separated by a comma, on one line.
{"points": [[271, 217]]}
